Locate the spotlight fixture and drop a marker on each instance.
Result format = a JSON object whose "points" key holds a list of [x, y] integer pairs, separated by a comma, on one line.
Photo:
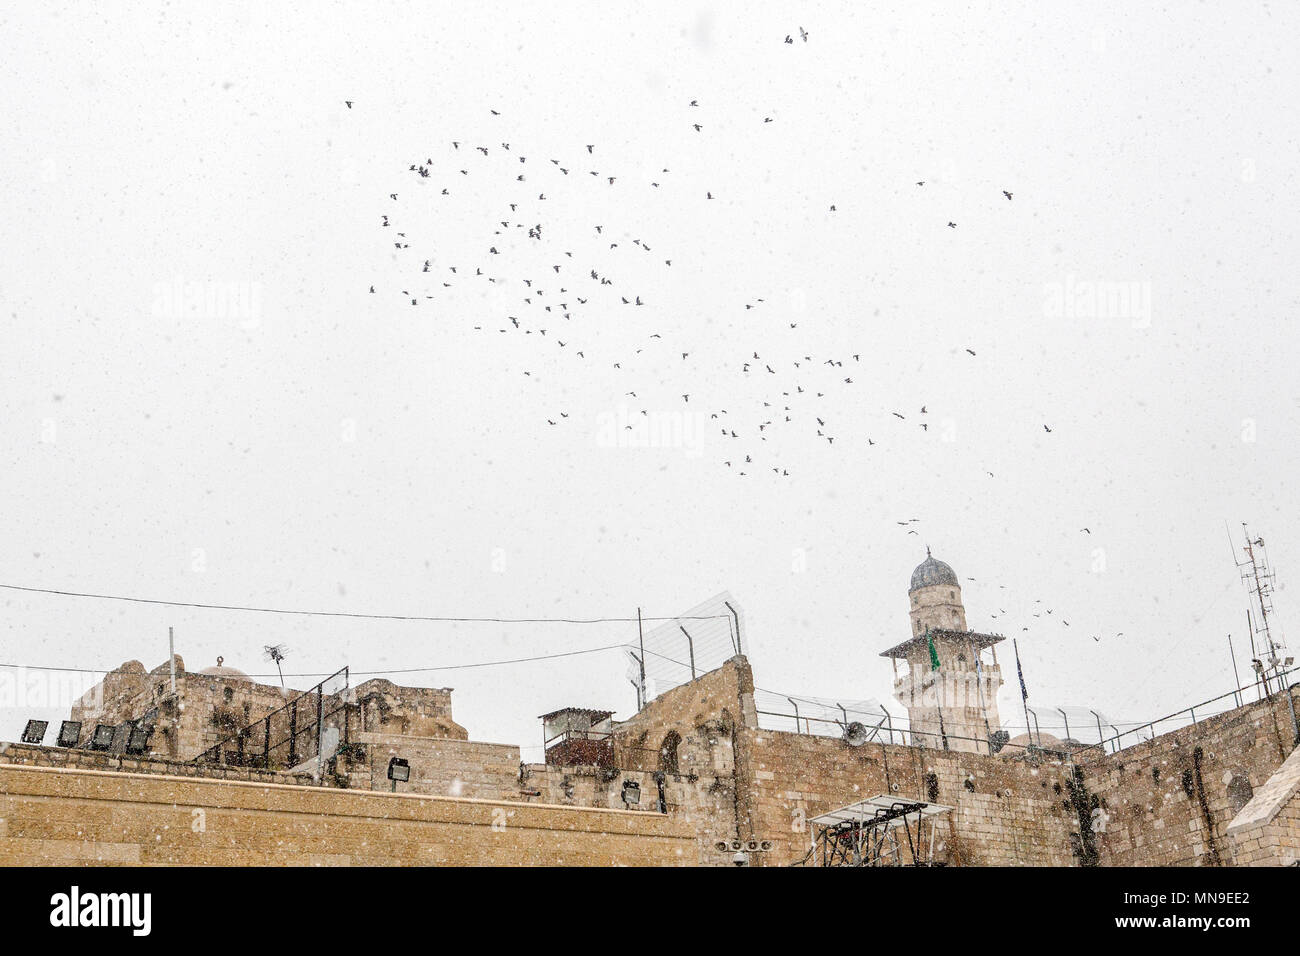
{"points": [[138, 741], [856, 734], [399, 771], [34, 732], [631, 793], [103, 737], [69, 733]]}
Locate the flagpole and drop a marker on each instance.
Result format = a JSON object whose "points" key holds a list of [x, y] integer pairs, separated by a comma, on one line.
{"points": [[1024, 694], [938, 696], [979, 685]]}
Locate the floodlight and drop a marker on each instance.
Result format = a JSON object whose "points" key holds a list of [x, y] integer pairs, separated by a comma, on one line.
{"points": [[138, 741], [34, 732], [399, 771], [121, 734], [69, 733], [631, 792], [103, 737]]}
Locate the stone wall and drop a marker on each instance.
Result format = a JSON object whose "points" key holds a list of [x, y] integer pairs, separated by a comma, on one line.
{"points": [[735, 781], [54, 816], [1006, 811], [1168, 801], [207, 708], [30, 755], [1159, 803], [704, 803], [386, 708], [441, 766], [1267, 830]]}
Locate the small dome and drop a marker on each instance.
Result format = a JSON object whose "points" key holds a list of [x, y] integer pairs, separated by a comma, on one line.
{"points": [[930, 572], [221, 670]]}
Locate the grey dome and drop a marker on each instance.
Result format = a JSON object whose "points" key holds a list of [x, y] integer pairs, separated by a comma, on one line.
{"points": [[930, 572]]}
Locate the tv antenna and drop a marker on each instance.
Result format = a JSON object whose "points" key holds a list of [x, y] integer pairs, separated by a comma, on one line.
{"points": [[1267, 652], [276, 652]]}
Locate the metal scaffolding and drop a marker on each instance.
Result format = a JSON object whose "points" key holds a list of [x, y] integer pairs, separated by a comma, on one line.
{"points": [[878, 831]]}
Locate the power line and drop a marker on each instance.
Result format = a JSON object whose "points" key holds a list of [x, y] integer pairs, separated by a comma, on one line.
{"points": [[367, 673], [357, 614]]}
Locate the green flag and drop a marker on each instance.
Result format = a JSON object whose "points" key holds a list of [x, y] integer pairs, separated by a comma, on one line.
{"points": [[934, 655]]}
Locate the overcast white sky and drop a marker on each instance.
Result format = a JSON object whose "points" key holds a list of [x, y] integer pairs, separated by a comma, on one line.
{"points": [[305, 444]]}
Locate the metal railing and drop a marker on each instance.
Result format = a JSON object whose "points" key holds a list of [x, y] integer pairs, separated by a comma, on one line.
{"points": [[313, 723], [1207, 709], [888, 729]]}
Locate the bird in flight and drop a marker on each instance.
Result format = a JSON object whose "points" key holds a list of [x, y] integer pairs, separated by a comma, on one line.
{"points": [[1007, 194], [349, 102], [952, 225], [1046, 429], [971, 351]]}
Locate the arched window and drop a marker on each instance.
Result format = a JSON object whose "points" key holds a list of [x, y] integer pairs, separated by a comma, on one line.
{"points": [[668, 752], [1239, 792]]}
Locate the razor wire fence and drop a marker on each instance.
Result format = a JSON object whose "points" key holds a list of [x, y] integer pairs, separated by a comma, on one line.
{"points": [[689, 645]]}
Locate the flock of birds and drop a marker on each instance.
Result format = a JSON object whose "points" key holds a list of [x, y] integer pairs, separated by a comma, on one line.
{"points": [[584, 278], [550, 303]]}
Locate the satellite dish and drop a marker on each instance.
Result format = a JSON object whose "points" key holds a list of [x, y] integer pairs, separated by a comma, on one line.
{"points": [[856, 734]]}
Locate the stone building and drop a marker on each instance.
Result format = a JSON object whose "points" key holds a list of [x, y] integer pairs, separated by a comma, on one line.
{"points": [[190, 712], [953, 706], [686, 779]]}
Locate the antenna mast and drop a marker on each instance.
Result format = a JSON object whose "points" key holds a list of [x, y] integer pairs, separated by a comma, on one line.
{"points": [[1257, 577]]}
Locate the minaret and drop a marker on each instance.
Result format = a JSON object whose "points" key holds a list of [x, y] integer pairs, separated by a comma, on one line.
{"points": [[936, 598], [956, 706]]}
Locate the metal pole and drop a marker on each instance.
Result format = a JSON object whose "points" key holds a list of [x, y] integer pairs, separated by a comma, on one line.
{"points": [[1020, 676], [796, 714], [1254, 656], [171, 658], [737, 617], [1236, 694], [347, 723], [979, 685], [691, 646], [320, 726], [943, 734], [640, 633]]}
